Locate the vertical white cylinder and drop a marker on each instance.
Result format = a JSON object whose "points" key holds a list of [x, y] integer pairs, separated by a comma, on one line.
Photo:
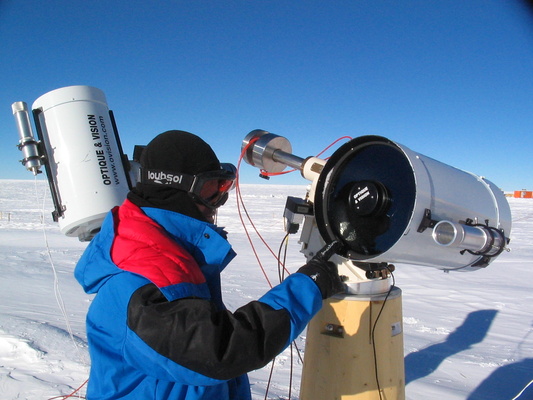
{"points": [[84, 156]]}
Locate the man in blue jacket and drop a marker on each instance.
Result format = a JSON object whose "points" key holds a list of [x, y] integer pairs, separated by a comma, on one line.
{"points": [[157, 327]]}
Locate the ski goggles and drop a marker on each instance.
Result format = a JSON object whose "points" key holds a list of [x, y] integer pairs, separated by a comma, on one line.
{"points": [[210, 188]]}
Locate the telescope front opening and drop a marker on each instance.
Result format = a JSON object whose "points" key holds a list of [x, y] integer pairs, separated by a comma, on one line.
{"points": [[365, 197]]}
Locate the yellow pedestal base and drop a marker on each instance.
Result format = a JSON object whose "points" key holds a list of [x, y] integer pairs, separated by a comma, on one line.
{"points": [[340, 359]]}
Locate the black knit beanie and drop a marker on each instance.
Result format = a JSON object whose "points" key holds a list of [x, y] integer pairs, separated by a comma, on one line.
{"points": [[180, 152]]}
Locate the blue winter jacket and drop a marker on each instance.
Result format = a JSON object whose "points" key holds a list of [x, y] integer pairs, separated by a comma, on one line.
{"points": [[157, 327]]}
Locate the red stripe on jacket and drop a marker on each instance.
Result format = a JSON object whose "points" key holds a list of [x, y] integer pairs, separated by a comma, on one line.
{"points": [[142, 246]]}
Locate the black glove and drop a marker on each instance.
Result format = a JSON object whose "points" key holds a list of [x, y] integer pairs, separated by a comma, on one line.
{"points": [[323, 272]]}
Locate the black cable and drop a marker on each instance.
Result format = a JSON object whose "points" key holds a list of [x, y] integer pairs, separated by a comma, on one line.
{"points": [[374, 330], [281, 274], [283, 246], [291, 374]]}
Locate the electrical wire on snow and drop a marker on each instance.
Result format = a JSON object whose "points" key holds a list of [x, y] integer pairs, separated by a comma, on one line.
{"points": [[241, 205], [523, 390], [283, 247], [284, 244], [71, 395], [374, 331], [57, 290], [281, 266]]}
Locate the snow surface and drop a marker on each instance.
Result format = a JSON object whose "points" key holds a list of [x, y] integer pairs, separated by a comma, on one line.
{"points": [[467, 335]]}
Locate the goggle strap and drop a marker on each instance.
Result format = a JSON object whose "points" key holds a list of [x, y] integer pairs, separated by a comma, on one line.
{"points": [[170, 178]]}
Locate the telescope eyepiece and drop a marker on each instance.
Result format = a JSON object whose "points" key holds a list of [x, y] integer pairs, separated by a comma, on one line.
{"points": [[368, 199]]}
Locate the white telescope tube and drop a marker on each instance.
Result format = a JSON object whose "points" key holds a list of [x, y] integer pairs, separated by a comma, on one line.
{"points": [[84, 157], [380, 198]]}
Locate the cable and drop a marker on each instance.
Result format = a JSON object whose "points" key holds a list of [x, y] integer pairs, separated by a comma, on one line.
{"points": [[374, 330], [283, 247], [293, 346], [281, 264], [240, 201], [334, 142], [57, 290], [240, 204], [268, 174], [523, 390], [291, 372], [71, 394], [281, 275]]}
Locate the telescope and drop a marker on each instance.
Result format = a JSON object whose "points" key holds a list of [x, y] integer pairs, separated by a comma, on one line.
{"points": [[385, 204], [79, 147]]}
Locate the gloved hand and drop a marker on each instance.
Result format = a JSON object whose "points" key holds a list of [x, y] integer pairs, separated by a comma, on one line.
{"points": [[323, 272]]}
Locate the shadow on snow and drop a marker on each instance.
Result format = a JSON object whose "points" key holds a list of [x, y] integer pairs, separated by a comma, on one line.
{"points": [[504, 383]]}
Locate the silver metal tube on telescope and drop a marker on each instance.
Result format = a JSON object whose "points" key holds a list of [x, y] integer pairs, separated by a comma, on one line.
{"points": [[478, 239], [289, 159], [28, 145], [273, 153]]}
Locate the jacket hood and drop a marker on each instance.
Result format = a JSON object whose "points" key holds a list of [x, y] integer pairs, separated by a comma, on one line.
{"points": [[165, 247], [95, 265]]}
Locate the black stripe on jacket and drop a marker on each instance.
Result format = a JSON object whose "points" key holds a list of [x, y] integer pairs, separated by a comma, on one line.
{"points": [[218, 344]]}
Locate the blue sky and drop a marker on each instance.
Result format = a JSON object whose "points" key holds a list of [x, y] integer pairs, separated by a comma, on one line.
{"points": [[452, 80]]}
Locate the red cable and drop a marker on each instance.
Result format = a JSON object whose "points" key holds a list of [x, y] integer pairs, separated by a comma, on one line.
{"points": [[71, 394], [336, 141], [240, 202], [265, 173]]}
